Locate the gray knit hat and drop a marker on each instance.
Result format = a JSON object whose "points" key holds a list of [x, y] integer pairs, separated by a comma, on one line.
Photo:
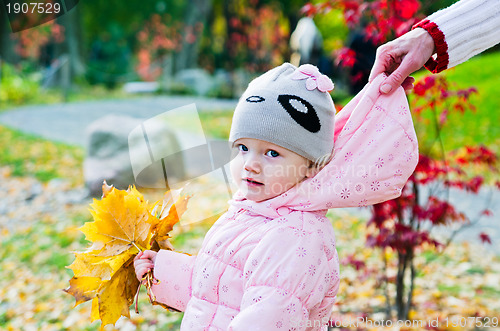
{"points": [[289, 107]]}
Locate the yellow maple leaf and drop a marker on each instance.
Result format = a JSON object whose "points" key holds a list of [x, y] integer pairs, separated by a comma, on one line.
{"points": [[116, 295], [121, 220], [83, 288], [124, 224], [167, 215], [87, 264]]}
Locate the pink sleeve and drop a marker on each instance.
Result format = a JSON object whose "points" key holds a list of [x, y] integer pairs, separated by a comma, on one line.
{"points": [[288, 275], [174, 271], [375, 152]]}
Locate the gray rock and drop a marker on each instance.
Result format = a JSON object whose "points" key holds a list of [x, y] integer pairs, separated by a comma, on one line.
{"points": [[113, 145], [222, 85], [222, 77], [197, 79]]}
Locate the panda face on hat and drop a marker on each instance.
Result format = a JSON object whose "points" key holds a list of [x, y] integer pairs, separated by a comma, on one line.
{"points": [[290, 107], [298, 108]]}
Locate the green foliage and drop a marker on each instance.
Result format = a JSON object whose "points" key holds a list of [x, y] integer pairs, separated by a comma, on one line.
{"points": [[429, 7], [98, 15], [333, 29], [28, 155], [481, 126], [20, 86], [111, 35], [109, 58], [16, 88], [216, 124]]}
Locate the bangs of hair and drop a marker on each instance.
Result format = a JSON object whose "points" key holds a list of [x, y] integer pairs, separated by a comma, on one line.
{"points": [[323, 160]]}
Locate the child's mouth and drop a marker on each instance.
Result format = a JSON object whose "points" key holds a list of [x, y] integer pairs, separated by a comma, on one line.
{"points": [[252, 182]]}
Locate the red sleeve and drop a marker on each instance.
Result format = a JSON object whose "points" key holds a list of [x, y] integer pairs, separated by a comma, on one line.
{"points": [[441, 61]]}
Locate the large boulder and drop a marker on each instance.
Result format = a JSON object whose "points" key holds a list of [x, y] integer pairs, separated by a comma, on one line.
{"points": [[114, 147], [197, 79]]}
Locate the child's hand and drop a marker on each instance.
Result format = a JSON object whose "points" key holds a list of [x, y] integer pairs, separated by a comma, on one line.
{"points": [[143, 262]]}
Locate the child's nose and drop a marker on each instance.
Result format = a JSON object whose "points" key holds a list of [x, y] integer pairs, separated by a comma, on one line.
{"points": [[252, 164]]}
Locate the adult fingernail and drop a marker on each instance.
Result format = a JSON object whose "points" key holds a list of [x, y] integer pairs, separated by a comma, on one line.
{"points": [[386, 88]]}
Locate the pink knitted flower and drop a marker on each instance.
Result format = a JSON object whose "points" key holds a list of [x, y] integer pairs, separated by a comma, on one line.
{"points": [[314, 78]]}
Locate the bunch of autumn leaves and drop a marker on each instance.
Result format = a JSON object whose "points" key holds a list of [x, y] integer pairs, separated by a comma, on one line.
{"points": [[124, 224]]}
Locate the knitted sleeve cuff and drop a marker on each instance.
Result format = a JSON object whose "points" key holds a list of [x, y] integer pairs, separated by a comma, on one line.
{"points": [[441, 61]]}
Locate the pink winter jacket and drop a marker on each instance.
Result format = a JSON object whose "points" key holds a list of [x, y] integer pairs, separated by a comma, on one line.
{"points": [[273, 265]]}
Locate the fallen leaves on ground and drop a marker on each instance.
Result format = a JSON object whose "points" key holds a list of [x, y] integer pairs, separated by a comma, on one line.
{"points": [[39, 227], [453, 288]]}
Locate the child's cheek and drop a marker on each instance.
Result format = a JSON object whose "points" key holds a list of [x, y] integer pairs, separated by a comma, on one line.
{"points": [[235, 167]]}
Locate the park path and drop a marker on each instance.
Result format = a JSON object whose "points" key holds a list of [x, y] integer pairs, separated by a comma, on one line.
{"points": [[67, 123]]}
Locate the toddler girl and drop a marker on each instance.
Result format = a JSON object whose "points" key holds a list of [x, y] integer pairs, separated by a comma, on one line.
{"points": [[270, 262]]}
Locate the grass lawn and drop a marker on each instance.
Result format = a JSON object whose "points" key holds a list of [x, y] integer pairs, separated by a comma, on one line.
{"points": [[28, 155], [483, 125]]}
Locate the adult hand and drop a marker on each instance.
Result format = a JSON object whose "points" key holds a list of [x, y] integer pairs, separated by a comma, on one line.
{"points": [[400, 57], [143, 262]]}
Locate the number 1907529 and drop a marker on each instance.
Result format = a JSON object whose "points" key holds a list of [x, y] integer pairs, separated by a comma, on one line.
{"points": [[33, 8], [478, 322]]}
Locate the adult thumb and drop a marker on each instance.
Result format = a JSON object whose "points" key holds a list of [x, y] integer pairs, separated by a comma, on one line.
{"points": [[396, 78], [392, 82]]}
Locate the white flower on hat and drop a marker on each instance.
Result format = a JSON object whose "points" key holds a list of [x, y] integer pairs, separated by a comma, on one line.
{"points": [[315, 79]]}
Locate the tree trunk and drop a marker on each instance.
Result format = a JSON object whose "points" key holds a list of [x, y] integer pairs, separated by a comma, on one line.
{"points": [[71, 21], [197, 13], [228, 14], [7, 45], [405, 261], [400, 285], [412, 286]]}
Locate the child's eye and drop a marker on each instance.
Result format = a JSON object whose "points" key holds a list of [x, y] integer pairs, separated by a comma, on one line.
{"points": [[242, 148], [272, 153]]}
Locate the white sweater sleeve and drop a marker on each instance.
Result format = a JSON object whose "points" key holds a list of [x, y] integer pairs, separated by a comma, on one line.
{"points": [[461, 31]]}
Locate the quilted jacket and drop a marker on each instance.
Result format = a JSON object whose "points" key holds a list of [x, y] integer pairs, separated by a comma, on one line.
{"points": [[273, 265]]}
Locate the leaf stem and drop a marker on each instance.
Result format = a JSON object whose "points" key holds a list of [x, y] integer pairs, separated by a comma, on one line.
{"points": [[133, 243]]}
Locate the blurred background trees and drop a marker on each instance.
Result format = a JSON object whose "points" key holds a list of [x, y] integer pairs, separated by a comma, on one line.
{"points": [[109, 43]]}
